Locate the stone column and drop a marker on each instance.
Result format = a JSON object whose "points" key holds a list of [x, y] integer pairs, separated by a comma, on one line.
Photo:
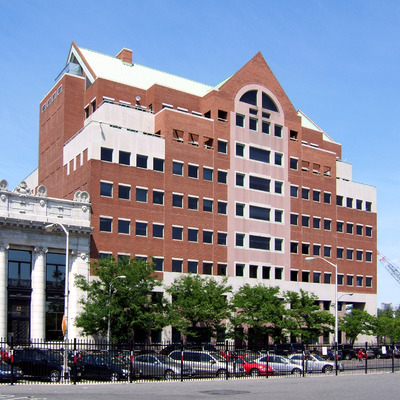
{"points": [[38, 299], [3, 291]]}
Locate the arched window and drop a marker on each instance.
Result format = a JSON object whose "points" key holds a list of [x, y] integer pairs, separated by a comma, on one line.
{"points": [[268, 103], [250, 97]]}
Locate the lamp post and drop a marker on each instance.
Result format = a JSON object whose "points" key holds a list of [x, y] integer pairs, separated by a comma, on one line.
{"points": [[336, 299], [109, 307], [50, 228]]}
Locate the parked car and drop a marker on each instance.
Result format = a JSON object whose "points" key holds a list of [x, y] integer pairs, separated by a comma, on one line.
{"points": [[5, 372], [281, 365], [285, 349], [348, 352], [159, 366], [385, 351], [39, 363], [315, 363], [98, 367], [208, 363], [252, 368]]}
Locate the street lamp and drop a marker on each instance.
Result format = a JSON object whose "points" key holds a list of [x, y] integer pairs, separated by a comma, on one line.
{"points": [[109, 307], [50, 228]]}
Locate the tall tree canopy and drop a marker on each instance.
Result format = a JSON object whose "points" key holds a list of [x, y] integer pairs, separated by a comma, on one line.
{"points": [[356, 322]]}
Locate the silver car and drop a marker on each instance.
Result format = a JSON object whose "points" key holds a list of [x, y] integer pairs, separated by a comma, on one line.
{"points": [[208, 363], [158, 366], [281, 364], [315, 363]]}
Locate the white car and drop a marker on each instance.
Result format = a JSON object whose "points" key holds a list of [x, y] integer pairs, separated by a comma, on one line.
{"points": [[315, 363], [280, 364]]}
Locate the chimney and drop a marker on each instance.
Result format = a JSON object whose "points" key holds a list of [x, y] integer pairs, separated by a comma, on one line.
{"points": [[125, 55]]}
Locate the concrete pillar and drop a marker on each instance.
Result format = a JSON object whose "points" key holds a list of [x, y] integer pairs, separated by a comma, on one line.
{"points": [[38, 299], [3, 291]]}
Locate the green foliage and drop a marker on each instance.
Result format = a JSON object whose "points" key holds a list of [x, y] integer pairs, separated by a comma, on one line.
{"points": [[355, 323], [198, 302], [259, 307], [128, 302], [387, 325], [307, 320]]}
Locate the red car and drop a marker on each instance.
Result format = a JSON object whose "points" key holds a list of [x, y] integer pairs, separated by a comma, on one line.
{"points": [[252, 368]]}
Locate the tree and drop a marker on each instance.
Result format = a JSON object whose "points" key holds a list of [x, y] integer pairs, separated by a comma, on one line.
{"points": [[356, 322], [198, 302], [259, 307], [307, 320], [127, 302]]}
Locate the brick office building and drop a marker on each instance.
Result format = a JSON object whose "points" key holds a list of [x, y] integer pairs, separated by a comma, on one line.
{"points": [[228, 180]]}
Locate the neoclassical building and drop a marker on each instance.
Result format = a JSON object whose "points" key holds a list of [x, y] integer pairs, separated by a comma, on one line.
{"points": [[35, 231]]}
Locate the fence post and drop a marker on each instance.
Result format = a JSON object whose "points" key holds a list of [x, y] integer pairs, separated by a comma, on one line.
{"points": [[226, 359], [393, 357], [12, 359], [366, 358], [131, 361], [267, 363], [182, 361], [336, 358], [75, 366]]}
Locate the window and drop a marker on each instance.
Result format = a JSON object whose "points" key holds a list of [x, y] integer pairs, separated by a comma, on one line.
{"points": [[177, 200], [239, 269], [339, 252], [316, 277], [294, 191], [158, 230], [222, 146], [339, 226], [222, 207], [259, 242], [359, 229], [305, 221], [240, 207], [192, 267], [261, 184], [266, 272], [349, 254], [316, 222], [327, 251], [316, 249], [193, 171], [327, 198], [239, 179], [141, 195], [294, 219], [124, 157], [316, 195], [207, 268], [177, 265], [207, 174], [261, 155], [294, 163], [222, 176], [340, 279], [141, 228], [339, 200], [368, 206], [327, 278], [349, 202], [124, 226], [193, 203], [141, 161], [278, 159], [158, 164], [240, 120], [305, 193], [294, 275], [158, 263], [350, 279], [105, 224], [239, 239], [177, 168], [368, 281], [278, 244], [221, 237], [278, 187], [265, 127], [253, 124], [278, 273], [259, 213], [278, 215], [359, 204], [359, 255], [249, 97], [158, 197], [305, 248], [106, 154], [177, 233], [368, 256], [327, 224], [294, 247], [349, 228], [221, 269], [305, 276], [106, 189], [253, 269], [368, 231], [124, 192], [207, 236], [207, 205], [359, 280], [240, 150], [278, 131], [193, 235]]}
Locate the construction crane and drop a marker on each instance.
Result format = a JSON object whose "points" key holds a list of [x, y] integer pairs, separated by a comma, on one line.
{"points": [[393, 270]]}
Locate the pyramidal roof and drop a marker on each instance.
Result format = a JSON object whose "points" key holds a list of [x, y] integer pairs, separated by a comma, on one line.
{"points": [[114, 69]]}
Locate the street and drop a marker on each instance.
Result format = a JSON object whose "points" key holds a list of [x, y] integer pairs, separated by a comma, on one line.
{"points": [[354, 387]]}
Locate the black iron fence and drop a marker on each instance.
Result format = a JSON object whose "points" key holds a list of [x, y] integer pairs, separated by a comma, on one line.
{"points": [[83, 360]]}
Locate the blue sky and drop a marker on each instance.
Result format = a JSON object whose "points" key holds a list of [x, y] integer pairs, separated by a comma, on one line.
{"points": [[337, 61]]}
